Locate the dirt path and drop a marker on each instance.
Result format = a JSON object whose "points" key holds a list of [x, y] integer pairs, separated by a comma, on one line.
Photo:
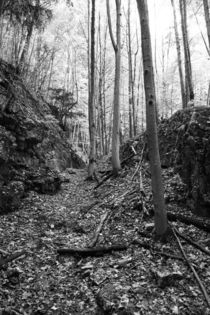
{"points": [[134, 281]]}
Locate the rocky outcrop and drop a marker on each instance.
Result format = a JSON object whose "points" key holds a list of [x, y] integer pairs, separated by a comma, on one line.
{"points": [[33, 148], [184, 141]]}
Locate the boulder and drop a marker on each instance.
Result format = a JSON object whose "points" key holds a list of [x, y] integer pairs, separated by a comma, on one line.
{"points": [[33, 147], [184, 141]]}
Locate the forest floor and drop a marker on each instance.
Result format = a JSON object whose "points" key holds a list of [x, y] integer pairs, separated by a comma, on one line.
{"points": [[144, 276]]}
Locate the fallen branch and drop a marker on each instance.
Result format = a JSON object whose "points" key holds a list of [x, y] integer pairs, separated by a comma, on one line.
{"points": [[99, 228], [124, 162], [203, 290], [97, 251], [104, 180], [199, 223], [196, 245], [140, 162], [155, 252], [12, 257], [89, 207]]}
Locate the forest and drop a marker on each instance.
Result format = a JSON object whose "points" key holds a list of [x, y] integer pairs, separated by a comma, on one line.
{"points": [[104, 157]]}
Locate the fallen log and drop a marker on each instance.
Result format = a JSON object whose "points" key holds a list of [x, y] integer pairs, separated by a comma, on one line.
{"points": [[197, 222], [96, 251]]}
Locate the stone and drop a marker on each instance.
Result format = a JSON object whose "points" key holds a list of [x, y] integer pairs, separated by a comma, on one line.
{"points": [[184, 141], [34, 150], [11, 196]]}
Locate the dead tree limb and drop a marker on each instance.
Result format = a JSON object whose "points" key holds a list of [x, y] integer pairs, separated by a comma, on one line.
{"points": [[203, 290], [97, 251], [199, 223], [98, 230], [146, 245], [104, 180], [140, 162], [196, 245], [12, 257], [124, 162]]}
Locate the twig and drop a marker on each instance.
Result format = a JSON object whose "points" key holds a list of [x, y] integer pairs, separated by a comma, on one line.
{"points": [[168, 255], [196, 245], [103, 180], [88, 208], [128, 158], [146, 245], [203, 290], [140, 162], [11, 257], [98, 230]]}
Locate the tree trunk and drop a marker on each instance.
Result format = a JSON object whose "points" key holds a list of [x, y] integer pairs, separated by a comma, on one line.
{"points": [[116, 112], [179, 58], [188, 68], [207, 18], [132, 129], [91, 112], [154, 157], [25, 48], [1, 6]]}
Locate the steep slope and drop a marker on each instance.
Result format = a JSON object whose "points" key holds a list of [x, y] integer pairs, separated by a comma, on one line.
{"points": [[33, 148], [185, 145]]}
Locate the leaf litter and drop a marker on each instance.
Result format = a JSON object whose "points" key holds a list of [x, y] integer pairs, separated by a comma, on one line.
{"points": [[147, 277]]}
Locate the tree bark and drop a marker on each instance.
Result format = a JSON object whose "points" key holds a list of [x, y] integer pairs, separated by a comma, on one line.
{"points": [[132, 109], [91, 112], [153, 147], [207, 18], [1, 6], [116, 112], [179, 58], [188, 68]]}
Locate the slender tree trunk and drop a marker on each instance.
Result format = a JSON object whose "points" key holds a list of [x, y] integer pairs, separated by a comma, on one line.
{"points": [[131, 74], [154, 157], [116, 112], [1, 6], [100, 88], [179, 58], [104, 93], [130, 79], [188, 68], [51, 71], [207, 18], [91, 112], [25, 48]]}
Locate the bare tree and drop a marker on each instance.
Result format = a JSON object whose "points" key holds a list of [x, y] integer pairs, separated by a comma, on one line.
{"points": [[207, 18], [132, 109], [152, 138], [91, 103], [116, 113], [179, 58], [189, 92]]}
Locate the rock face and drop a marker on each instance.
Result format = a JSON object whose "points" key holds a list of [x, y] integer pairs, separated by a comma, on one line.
{"points": [[33, 148], [184, 141]]}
